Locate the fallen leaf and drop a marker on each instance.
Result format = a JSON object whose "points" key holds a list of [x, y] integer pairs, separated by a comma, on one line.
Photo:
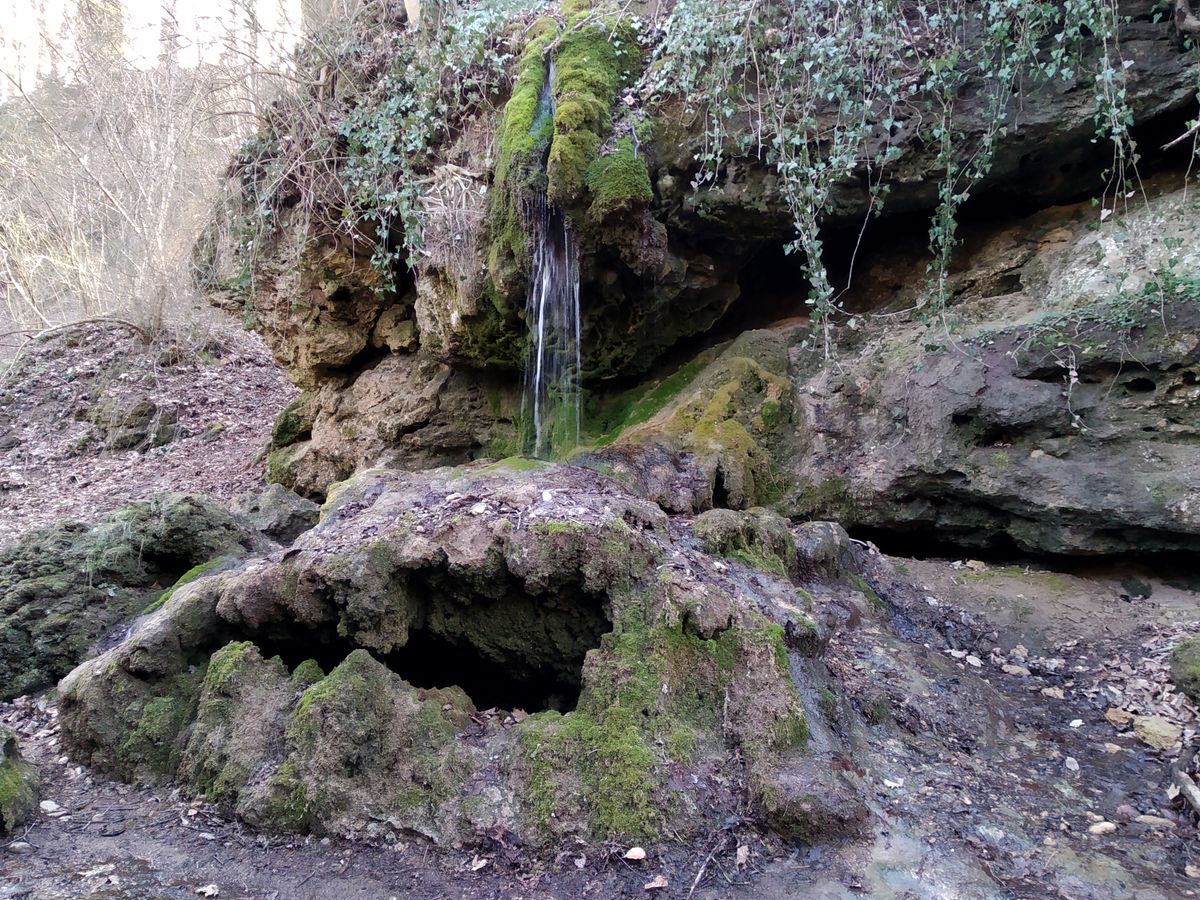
{"points": [[478, 863], [657, 883], [635, 853], [743, 856]]}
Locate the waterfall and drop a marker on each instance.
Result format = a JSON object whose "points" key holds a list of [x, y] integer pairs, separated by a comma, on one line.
{"points": [[552, 371], [550, 406]]}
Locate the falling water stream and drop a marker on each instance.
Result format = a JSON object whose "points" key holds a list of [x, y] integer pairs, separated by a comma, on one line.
{"points": [[552, 369]]}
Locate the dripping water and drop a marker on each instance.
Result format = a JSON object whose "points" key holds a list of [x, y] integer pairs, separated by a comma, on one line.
{"points": [[553, 366]]}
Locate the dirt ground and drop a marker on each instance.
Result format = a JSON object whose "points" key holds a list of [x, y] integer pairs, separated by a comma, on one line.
{"points": [[992, 708], [219, 381]]}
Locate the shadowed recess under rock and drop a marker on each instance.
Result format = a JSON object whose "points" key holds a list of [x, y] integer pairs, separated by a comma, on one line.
{"points": [[506, 649]]}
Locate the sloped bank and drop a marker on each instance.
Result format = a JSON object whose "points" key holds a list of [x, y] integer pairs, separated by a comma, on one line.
{"points": [[650, 689]]}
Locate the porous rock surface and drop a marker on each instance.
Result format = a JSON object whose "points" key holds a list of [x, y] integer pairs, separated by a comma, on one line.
{"points": [[322, 687], [65, 587]]}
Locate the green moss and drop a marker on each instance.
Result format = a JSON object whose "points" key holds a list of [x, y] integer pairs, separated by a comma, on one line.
{"points": [[592, 62], [307, 673], [873, 599], [1185, 668], [186, 578], [828, 499], [287, 799], [558, 527], [618, 182], [756, 538], [521, 140], [18, 795], [153, 746], [640, 404], [647, 702], [295, 421]]}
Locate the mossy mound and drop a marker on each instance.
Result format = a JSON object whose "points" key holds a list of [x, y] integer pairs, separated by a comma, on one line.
{"points": [[62, 588], [755, 537], [18, 784], [716, 442], [506, 646]]}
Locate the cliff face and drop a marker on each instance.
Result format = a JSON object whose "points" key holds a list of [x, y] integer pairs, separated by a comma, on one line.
{"points": [[411, 356]]}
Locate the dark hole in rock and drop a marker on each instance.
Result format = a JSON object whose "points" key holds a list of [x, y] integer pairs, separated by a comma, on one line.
{"points": [[1189, 377], [1140, 385], [720, 495], [1009, 283], [509, 649]]}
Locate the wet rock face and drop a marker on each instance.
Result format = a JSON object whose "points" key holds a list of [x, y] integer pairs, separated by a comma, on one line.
{"points": [[63, 588], [643, 687]]}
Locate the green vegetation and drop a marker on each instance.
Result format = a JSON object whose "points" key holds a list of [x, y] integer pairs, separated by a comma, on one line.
{"points": [[763, 76], [186, 578], [618, 182], [1185, 668]]}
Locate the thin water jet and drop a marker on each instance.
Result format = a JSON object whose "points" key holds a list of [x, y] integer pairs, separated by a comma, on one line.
{"points": [[551, 403]]}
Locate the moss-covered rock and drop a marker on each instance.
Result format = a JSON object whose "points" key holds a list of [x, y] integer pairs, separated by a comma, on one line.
{"points": [[295, 421], [756, 537], [18, 784], [62, 588], [716, 443], [1185, 668], [630, 666]]}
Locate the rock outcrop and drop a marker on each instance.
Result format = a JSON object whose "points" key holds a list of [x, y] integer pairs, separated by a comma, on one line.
{"points": [[64, 588], [18, 784], [415, 362], [513, 648]]}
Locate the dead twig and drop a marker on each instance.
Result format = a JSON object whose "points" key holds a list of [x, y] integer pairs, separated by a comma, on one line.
{"points": [[704, 865]]}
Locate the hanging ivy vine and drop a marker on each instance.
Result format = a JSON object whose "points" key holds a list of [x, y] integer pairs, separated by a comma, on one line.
{"points": [[818, 90]]}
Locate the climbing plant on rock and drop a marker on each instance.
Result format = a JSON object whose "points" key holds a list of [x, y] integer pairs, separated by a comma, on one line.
{"points": [[819, 90]]}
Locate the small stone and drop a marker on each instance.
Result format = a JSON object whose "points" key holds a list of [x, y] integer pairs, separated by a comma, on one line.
{"points": [[635, 853], [1071, 763], [1154, 821], [1053, 692], [1102, 828], [1010, 669], [657, 883], [1076, 723], [1156, 732], [49, 807], [19, 847], [1111, 748], [1125, 812], [1118, 718], [974, 661]]}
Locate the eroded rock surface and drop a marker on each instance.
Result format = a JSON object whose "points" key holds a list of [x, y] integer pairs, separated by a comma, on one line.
{"points": [[64, 588], [645, 687]]}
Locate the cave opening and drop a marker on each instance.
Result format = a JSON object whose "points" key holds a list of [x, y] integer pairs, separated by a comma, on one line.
{"points": [[506, 648]]}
